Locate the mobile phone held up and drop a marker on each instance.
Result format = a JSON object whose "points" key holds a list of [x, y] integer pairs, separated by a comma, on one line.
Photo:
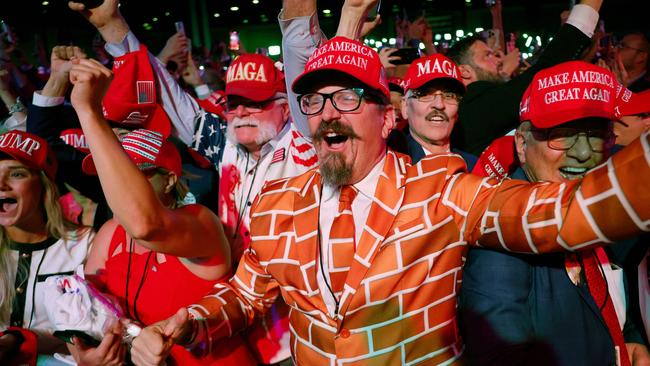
{"points": [[180, 27], [234, 41], [372, 14], [406, 55]]}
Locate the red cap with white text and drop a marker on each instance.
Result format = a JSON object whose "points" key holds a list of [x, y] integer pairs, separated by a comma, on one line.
{"points": [[346, 56], [255, 77], [570, 91], [30, 150], [433, 67], [630, 104]]}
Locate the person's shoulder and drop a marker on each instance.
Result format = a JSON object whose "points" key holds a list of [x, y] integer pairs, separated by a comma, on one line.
{"points": [[448, 163]]}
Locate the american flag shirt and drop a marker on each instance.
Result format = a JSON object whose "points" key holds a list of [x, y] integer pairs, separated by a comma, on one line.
{"points": [[241, 178]]}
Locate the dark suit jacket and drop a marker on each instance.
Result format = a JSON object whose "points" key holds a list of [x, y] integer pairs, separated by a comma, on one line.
{"points": [[489, 110], [518, 309], [48, 122]]}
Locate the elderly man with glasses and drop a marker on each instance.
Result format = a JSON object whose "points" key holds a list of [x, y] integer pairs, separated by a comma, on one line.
{"points": [[633, 51], [434, 89], [549, 309]]}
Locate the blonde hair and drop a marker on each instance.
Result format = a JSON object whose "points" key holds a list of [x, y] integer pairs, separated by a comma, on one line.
{"points": [[57, 226]]}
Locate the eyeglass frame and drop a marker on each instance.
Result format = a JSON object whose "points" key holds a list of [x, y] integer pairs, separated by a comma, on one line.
{"points": [[608, 140], [264, 105], [444, 95], [360, 92], [622, 45]]}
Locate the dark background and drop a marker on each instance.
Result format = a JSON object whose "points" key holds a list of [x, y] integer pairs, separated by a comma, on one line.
{"points": [[153, 21]]}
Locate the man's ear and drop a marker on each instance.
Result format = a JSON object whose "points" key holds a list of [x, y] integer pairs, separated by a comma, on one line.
{"points": [[389, 121], [285, 111], [646, 123], [520, 145], [171, 182], [467, 73], [405, 113]]}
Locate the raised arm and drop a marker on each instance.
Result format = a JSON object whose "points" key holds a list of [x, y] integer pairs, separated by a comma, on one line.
{"points": [[301, 35], [609, 204], [181, 108], [192, 231]]}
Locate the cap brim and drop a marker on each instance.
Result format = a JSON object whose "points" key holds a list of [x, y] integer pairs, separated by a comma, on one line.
{"points": [[20, 159], [254, 94], [309, 82], [454, 84]]}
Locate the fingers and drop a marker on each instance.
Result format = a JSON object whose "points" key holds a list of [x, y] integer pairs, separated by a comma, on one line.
{"points": [[150, 347], [178, 324], [76, 6]]}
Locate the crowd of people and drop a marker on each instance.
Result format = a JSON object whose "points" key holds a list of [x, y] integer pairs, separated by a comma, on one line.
{"points": [[334, 208]]}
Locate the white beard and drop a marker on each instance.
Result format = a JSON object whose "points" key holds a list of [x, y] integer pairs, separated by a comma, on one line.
{"points": [[265, 130]]}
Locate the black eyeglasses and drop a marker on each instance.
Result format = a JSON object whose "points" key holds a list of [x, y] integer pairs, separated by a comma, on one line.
{"points": [[251, 106], [344, 100], [565, 138]]}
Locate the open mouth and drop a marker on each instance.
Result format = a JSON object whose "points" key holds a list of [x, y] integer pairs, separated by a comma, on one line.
{"points": [[569, 172], [7, 204], [334, 139], [437, 117]]}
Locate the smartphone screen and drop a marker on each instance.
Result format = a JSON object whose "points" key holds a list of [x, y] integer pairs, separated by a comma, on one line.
{"points": [[372, 14], [234, 40], [180, 27]]}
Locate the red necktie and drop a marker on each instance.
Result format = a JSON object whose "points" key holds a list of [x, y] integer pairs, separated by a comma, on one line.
{"points": [[598, 289], [342, 240]]}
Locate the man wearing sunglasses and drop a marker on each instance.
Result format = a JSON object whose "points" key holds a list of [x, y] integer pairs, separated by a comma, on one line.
{"points": [[434, 89], [546, 310]]}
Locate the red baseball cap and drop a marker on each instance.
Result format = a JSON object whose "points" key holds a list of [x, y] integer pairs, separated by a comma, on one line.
{"points": [[148, 150], [396, 84], [30, 150], [570, 91], [255, 77], [630, 104], [433, 67], [131, 99], [346, 56], [75, 138], [498, 160]]}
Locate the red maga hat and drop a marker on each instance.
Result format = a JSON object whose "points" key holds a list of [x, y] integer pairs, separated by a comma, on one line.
{"points": [[630, 104], [131, 99], [30, 150], [255, 77], [498, 160], [148, 150], [433, 67], [570, 91], [75, 137], [345, 56]]}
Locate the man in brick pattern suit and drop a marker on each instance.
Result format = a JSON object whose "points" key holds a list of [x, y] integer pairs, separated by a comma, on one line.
{"points": [[413, 225]]}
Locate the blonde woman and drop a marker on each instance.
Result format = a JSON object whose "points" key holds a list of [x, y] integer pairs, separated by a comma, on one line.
{"points": [[35, 242]]}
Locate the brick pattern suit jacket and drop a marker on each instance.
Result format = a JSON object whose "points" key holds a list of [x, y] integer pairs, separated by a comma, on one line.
{"points": [[399, 302]]}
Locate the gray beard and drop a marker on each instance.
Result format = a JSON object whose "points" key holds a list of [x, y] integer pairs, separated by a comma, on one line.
{"points": [[335, 171]]}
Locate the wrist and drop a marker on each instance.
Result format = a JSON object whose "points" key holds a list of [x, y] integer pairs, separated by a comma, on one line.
{"points": [[55, 87], [15, 107]]}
